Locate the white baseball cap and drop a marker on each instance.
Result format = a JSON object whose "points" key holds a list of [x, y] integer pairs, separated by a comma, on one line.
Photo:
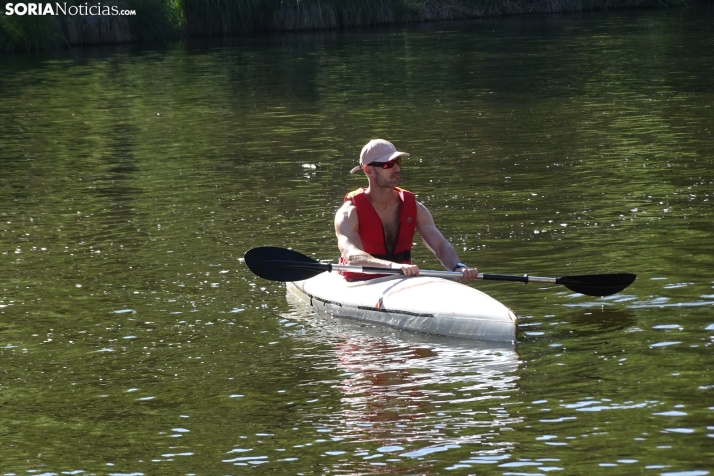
{"points": [[377, 150]]}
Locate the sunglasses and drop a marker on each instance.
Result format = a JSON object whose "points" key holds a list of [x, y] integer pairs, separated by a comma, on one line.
{"points": [[387, 165]]}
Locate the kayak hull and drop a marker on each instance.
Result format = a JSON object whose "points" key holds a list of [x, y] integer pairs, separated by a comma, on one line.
{"points": [[422, 304]]}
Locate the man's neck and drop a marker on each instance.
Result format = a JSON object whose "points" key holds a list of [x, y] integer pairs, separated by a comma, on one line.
{"points": [[380, 196]]}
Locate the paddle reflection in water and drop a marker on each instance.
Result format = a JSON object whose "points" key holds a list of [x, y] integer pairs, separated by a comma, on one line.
{"points": [[414, 393]]}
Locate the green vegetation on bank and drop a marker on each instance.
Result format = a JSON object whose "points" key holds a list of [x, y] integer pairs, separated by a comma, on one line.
{"points": [[161, 20]]}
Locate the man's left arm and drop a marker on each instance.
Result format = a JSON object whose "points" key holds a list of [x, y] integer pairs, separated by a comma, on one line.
{"points": [[439, 245]]}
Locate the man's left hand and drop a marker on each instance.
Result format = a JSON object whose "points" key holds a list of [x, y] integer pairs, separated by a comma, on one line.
{"points": [[468, 273]]}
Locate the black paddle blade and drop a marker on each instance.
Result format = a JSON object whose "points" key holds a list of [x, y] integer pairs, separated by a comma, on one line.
{"points": [[597, 284], [279, 264]]}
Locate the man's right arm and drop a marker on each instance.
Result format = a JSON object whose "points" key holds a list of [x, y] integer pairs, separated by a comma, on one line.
{"points": [[351, 247]]}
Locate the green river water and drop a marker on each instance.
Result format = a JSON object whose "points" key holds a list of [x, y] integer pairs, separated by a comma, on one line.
{"points": [[134, 340]]}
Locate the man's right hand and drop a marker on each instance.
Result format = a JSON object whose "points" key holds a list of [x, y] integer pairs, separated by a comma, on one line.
{"points": [[407, 269]]}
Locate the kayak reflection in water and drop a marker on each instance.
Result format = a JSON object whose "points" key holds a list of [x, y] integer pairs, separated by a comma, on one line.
{"points": [[375, 226]]}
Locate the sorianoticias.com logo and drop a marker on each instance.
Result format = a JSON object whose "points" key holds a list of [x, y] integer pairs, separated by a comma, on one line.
{"points": [[58, 8]]}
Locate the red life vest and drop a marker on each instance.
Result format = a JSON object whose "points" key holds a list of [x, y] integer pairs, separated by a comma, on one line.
{"points": [[371, 231]]}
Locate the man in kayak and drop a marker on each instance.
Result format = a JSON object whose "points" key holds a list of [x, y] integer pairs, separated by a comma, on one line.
{"points": [[375, 226]]}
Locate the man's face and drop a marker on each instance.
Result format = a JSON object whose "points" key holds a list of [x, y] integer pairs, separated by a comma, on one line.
{"points": [[388, 178]]}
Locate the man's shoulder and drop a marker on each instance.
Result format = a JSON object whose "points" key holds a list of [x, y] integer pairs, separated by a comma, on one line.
{"points": [[423, 213], [347, 205], [347, 208], [346, 216]]}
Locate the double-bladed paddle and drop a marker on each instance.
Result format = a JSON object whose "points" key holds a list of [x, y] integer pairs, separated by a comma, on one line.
{"points": [[280, 264]]}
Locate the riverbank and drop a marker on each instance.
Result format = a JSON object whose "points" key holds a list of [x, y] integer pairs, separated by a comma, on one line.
{"points": [[147, 21]]}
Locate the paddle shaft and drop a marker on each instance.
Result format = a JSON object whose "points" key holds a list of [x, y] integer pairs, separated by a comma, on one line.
{"points": [[437, 274]]}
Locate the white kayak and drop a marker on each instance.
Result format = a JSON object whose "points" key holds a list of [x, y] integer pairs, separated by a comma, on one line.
{"points": [[423, 304]]}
